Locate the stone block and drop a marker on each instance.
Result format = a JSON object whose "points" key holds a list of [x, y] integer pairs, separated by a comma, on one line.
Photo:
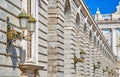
{"points": [[69, 71], [53, 74], [2, 48], [43, 20], [16, 3], [2, 37], [69, 75], [3, 26], [13, 19], [42, 12], [43, 5], [42, 27], [68, 61], [42, 73], [53, 20], [59, 44], [43, 50], [52, 56], [60, 74], [60, 62], [42, 58], [9, 61], [8, 71], [69, 41], [44, 64], [55, 38], [69, 46], [68, 66], [42, 35], [42, 42], [69, 56], [3, 3], [60, 5]]}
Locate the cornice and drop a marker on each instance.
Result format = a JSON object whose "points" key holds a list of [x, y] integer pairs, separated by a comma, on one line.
{"points": [[109, 22]]}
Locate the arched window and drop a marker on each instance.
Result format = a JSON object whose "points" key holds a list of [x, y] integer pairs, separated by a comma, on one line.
{"points": [[67, 10], [100, 46], [77, 19], [98, 42], [85, 27], [67, 7], [103, 49], [94, 39], [90, 35]]}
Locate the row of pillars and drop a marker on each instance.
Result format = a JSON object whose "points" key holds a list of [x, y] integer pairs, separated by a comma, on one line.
{"points": [[113, 35]]}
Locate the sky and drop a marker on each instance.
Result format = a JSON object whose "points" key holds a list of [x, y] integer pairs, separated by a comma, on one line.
{"points": [[105, 6]]}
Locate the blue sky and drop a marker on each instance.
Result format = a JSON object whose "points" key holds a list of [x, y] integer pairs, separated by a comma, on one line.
{"points": [[105, 6]]}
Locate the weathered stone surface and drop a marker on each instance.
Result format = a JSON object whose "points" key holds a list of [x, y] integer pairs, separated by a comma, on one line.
{"points": [[3, 26], [7, 71], [2, 48], [43, 73], [58, 36], [9, 61], [13, 19], [2, 37]]}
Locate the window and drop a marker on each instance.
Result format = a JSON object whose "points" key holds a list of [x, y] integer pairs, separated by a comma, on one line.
{"points": [[106, 31], [67, 11], [77, 19], [119, 30], [67, 7], [85, 27], [106, 19], [90, 35], [94, 39], [103, 49]]}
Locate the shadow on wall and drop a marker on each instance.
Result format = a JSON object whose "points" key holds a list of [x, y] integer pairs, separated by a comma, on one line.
{"points": [[22, 55], [14, 57], [12, 52]]}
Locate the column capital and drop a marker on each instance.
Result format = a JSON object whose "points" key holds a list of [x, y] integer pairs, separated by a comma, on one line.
{"points": [[113, 28]]}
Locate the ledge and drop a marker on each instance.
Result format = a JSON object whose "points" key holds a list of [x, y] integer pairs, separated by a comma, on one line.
{"points": [[30, 67]]}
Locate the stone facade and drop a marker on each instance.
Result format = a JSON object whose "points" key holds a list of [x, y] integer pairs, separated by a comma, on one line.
{"points": [[110, 27], [64, 29], [11, 9], [9, 66], [109, 24]]}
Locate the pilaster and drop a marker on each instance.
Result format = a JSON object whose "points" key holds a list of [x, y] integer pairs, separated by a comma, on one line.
{"points": [[114, 40], [55, 39]]}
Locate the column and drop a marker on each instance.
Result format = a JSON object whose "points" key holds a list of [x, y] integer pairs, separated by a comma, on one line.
{"points": [[114, 40], [55, 38]]}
